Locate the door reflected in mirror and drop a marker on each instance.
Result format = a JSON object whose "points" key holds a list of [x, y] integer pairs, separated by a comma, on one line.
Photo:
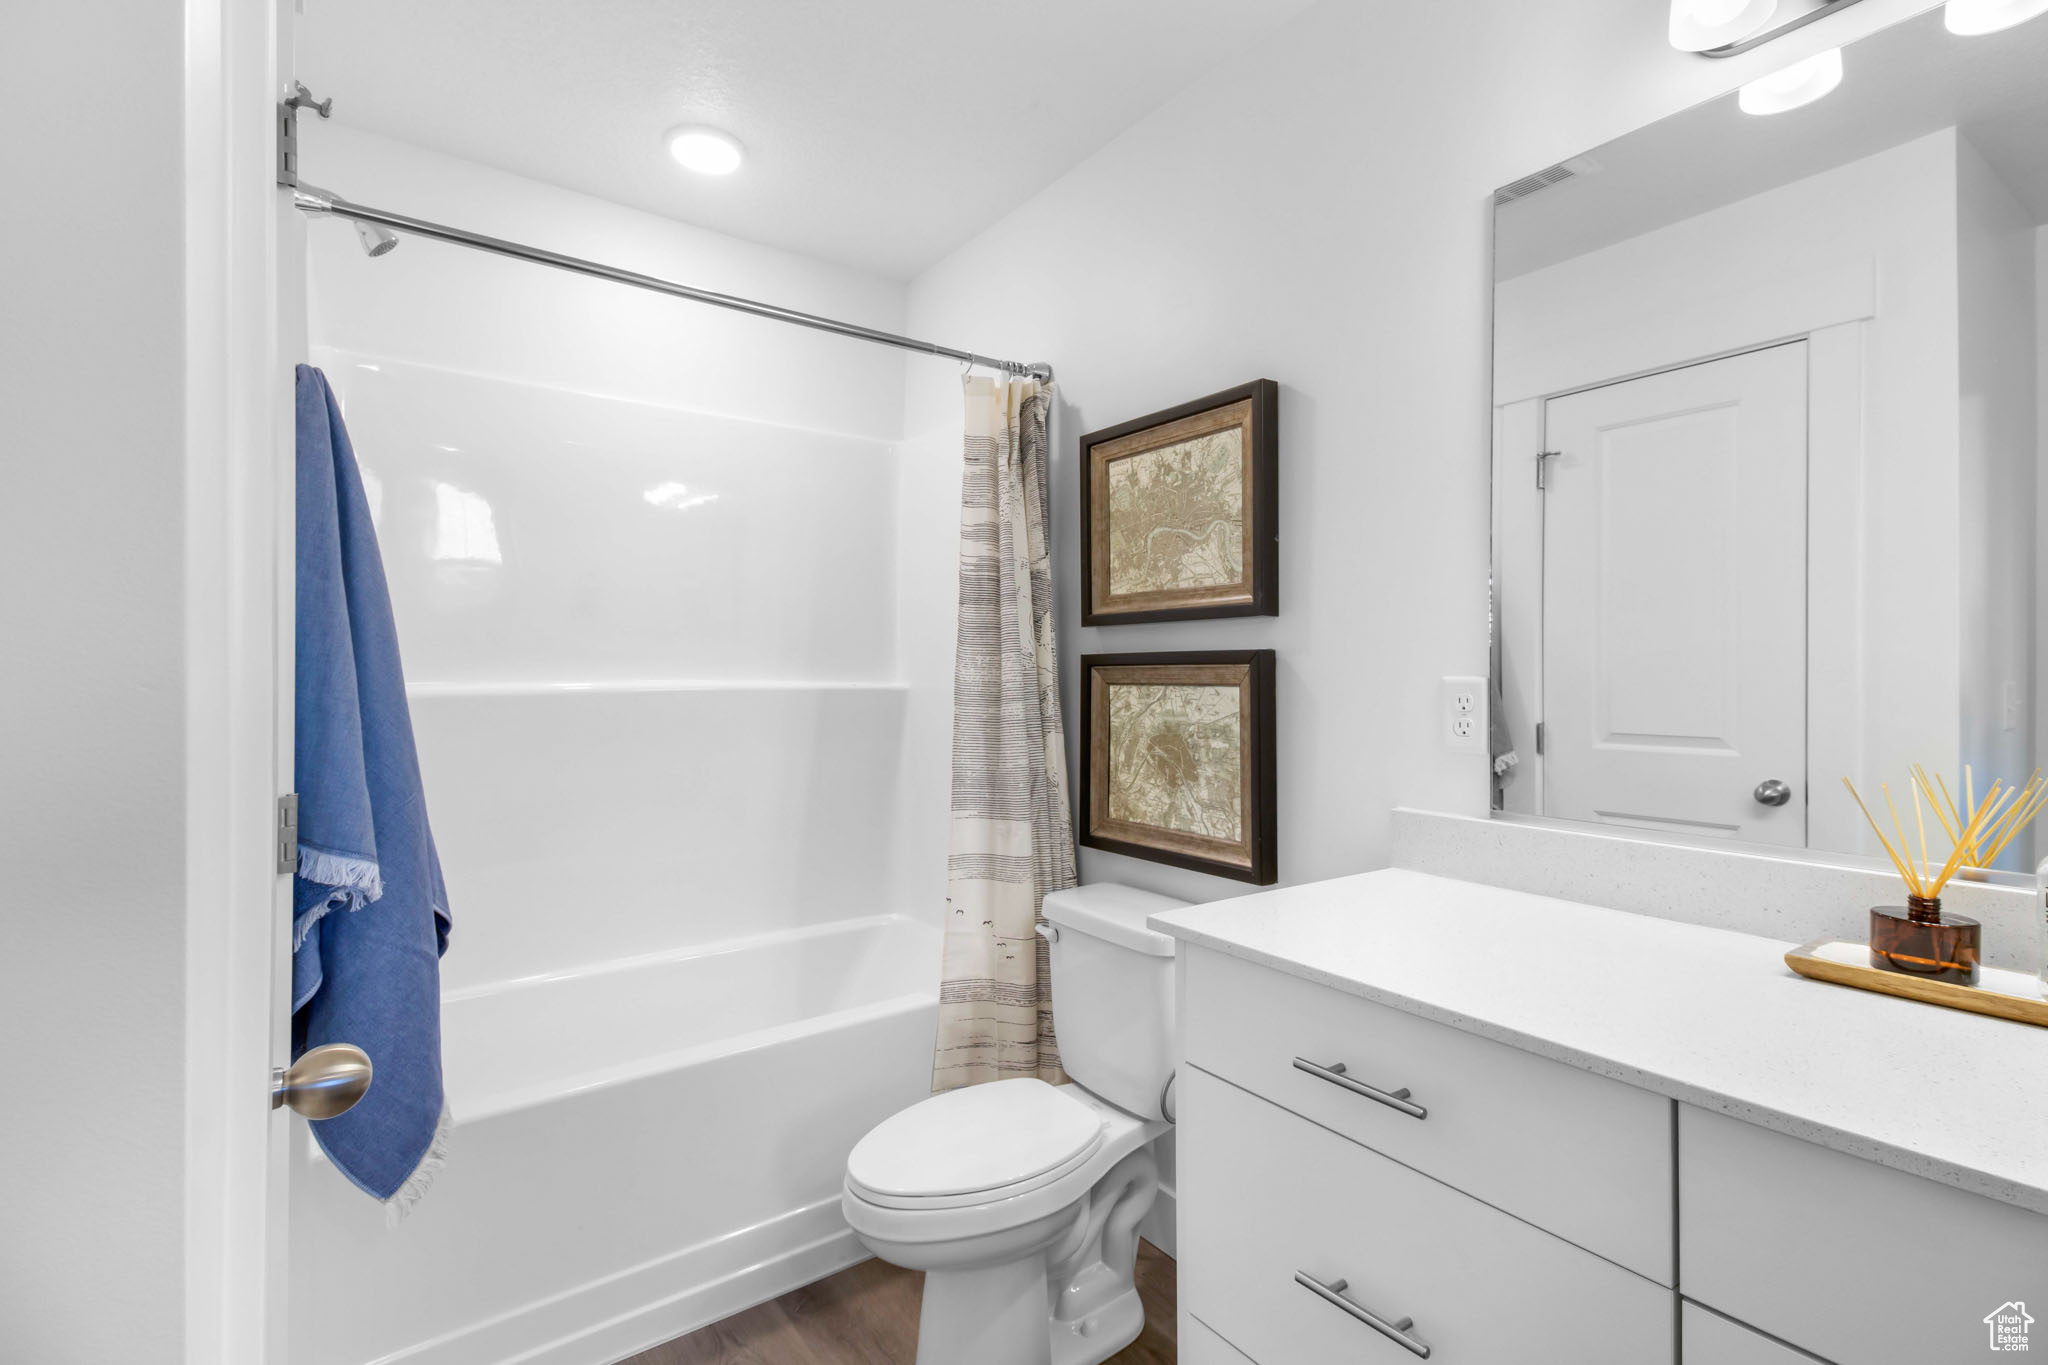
{"points": [[1767, 446]]}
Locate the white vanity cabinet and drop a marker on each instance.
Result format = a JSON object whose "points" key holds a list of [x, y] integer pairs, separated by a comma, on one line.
{"points": [[1301, 1247], [1849, 1259], [1201, 1346], [1710, 1339], [1314, 1219], [1451, 1152], [1580, 1156]]}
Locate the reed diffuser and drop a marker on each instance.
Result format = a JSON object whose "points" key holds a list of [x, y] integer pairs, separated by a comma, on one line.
{"points": [[1920, 940], [1979, 857]]}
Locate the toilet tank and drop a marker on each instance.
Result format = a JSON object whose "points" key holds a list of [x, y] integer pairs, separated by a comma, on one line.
{"points": [[1112, 993]]}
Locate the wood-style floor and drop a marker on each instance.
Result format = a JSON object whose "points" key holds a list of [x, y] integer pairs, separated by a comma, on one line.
{"points": [[867, 1315]]}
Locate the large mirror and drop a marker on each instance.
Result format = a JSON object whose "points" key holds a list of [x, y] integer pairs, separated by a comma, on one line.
{"points": [[1768, 435]]}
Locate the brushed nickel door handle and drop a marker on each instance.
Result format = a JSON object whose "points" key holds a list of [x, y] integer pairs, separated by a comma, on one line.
{"points": [[1394, 1329], [1334, 1074], [1772, 792], [324, 1082]]}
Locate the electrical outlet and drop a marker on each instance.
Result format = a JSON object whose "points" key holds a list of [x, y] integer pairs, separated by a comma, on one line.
{"points": [[1463, 721]]}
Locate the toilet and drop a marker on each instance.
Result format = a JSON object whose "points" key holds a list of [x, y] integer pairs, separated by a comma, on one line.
{"points": [[1020, 1200]]}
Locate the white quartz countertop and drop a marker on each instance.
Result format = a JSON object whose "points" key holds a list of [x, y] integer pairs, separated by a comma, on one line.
{"points": [[1706, 1016]]}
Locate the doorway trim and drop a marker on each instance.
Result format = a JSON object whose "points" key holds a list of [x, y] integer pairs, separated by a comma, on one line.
{"points": [[236, 443]]}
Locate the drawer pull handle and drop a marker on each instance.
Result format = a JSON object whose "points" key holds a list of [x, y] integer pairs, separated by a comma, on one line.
{"points": [[1333, 1292], [1334, 1074]]}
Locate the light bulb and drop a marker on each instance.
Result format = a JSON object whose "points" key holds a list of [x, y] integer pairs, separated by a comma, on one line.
{"points": [[1800, 83], [706, 151], [1972, 17], [1697, 25]]}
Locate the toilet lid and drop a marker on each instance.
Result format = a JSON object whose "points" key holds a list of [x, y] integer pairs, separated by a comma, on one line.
{"points": [[981, 1138]]}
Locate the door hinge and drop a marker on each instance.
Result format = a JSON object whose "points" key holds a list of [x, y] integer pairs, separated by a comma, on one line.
{"points": [[288, 129], [1539, 736], [287, 834], [1543, 459]]}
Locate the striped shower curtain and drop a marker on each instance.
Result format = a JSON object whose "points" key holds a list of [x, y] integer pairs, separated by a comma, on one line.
{"points": [[1012, 834]]}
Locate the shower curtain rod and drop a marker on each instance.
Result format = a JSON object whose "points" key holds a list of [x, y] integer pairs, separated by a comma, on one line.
{"points": [[319, 203]]}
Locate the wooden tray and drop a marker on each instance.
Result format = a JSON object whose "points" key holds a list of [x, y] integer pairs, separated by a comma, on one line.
{"points": [[2007, 995]]}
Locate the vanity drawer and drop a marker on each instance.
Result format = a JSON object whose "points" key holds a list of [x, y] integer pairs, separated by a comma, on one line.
{"points": [[1843, 1257], [1580, 1155], [1710, 1339], [1266, 1196], [1201, 1346]]}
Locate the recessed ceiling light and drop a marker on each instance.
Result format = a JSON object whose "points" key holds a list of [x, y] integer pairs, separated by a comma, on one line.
{"points": [[706, 151], [1800, 83], [1972, 17], [1697, 25]]}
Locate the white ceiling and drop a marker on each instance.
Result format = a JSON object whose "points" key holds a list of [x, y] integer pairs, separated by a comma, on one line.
{"points": [[1898, 84], [881, 134]]}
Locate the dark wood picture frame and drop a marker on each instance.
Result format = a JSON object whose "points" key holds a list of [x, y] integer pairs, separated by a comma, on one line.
{"points": [[1252, 858], [1255, 407]]}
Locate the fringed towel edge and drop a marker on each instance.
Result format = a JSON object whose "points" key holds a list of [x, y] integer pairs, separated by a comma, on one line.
{"points": [[356, 883], [401, 1204], [343, 871]]}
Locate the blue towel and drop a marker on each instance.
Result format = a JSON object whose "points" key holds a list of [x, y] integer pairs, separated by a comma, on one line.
{"points": [[369, 912]]}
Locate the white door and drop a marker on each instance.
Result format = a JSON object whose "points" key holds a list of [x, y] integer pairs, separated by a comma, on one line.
{"points": [[1674, 600]]}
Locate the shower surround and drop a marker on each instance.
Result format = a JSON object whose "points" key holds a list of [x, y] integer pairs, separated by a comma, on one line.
{"points": [[644, 561]]}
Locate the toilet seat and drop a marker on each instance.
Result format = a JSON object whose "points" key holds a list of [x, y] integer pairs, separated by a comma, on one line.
{"points": [[910, 1221], [975, 1146]]}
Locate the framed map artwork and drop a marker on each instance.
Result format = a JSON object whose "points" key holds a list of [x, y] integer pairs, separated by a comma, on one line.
{"points": [[1182, 512], [1177, 759]]}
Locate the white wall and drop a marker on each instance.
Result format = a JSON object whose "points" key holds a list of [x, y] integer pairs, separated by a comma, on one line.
{"points": [[92, 806], [1320, 217], [642, 553]]}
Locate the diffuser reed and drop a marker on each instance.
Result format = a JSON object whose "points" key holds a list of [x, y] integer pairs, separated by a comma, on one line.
{"points": [[1922, 941], [1982, 853]]}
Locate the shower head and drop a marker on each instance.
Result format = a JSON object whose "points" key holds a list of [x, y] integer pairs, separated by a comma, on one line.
{"points": [[376, 240]]}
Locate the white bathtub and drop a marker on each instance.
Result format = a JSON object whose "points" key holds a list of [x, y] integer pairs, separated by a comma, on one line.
{"points": [[641, 1147]]}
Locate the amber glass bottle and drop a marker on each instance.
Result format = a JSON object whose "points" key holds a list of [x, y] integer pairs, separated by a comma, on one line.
{"points": [[1921, 941]]}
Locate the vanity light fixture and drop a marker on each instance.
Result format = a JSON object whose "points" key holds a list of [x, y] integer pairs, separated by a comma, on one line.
{"points": [[706, 151], [1728, 28], [1697, 25], [1798, 84], [1972, 17]]}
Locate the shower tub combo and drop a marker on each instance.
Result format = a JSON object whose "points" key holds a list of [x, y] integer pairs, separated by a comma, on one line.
{"points": [[646, 594], [641, 1147]]}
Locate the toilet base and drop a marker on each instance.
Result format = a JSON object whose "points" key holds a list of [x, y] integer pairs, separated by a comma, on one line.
{"points": [[996, 1316], [1101, 1334], [990, 1315]]}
